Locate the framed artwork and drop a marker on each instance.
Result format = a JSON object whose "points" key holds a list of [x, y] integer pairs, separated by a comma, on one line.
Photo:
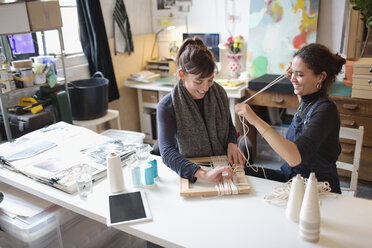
{"points": [[278, 28]]}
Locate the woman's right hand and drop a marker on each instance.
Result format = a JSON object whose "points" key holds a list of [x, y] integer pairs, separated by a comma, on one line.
{"points": [[243, 109], [216, 174]]}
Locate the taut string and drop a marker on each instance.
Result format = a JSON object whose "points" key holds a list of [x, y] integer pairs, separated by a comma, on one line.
{"points": [[246, 128]]}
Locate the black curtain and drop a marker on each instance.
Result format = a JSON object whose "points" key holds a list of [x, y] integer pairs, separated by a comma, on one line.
{"points": [[95, 44]]}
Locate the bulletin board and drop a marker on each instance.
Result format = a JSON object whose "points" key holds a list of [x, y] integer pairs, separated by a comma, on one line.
{"points": [[276, 30]]}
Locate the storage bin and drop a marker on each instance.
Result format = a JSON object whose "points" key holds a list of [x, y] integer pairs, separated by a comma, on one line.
{"points": [[89, 97], [265, 151], [57, 227], [125, 136], [41, 230]]}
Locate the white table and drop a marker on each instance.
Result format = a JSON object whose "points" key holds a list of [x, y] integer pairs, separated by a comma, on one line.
{"points": [[229, 221]]}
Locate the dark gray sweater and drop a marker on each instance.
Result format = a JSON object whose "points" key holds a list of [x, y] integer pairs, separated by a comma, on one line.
{"points": [[167, 139]]}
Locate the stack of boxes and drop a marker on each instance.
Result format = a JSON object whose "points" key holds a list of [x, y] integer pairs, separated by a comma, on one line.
{"points": [[362, 79]]}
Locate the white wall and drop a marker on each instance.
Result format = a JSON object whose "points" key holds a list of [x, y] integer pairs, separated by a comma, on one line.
{"points": [[138, 11], [212, 16], [330, 23]]}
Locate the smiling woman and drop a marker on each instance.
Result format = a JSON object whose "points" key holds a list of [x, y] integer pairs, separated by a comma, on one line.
{"points": [[194, 119], [312, 140]]}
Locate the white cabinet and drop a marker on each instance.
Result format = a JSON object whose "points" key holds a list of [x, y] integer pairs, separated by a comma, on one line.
{"points": [[147, 103]]}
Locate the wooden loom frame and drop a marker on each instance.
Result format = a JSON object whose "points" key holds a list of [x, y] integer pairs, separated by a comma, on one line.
{"points": [[186, 191]]}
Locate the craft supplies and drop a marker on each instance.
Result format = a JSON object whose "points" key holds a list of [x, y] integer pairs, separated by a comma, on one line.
{"points": [[239, 184], [146, 169], [135, 173], [310, 211], [296, 196], [115, 173], [154, 166], [149, 176], [280, 194]]}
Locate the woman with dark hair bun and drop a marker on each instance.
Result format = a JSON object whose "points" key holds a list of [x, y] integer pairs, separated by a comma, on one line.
{"points": [[312, 140], [194, 119]]}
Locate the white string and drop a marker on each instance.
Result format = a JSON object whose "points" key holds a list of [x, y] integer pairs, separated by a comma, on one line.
{"points": [[246, 128], [281, 193], [276, 80], [226, 187]]}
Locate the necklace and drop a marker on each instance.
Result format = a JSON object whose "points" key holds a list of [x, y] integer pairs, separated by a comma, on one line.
{"points": [[301, 110]]}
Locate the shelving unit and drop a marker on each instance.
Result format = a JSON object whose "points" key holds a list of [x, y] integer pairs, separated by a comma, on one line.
{"points": [[27, 25], [164, 68]]}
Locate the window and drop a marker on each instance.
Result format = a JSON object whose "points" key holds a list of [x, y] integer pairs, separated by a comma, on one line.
{"points": [[70, 32]]}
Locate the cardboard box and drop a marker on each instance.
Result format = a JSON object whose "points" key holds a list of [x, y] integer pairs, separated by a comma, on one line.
{"points": [[44, 15], [13, 18]]}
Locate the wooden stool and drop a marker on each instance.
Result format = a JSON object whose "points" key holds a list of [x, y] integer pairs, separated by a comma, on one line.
{"points": [[95, 123]]}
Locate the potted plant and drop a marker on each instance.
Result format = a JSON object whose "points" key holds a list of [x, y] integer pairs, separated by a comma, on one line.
{"points": [[365, 9]]}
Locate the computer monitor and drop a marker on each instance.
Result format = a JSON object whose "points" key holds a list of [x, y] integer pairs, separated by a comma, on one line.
{"points": [[210, 39], [23, 46]]}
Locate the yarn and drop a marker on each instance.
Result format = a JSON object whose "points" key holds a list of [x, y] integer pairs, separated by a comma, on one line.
{"points": [[296, 196], [281, 193], [310, 212]]}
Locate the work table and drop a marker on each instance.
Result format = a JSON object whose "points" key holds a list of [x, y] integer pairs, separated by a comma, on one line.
{"points": [[227, 221]]}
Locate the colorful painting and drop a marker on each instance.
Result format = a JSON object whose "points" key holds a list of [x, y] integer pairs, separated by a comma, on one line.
{"points": [[277, 28]]}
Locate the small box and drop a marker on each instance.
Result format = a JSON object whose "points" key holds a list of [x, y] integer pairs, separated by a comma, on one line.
{"points": [[284, 85], [150, 96], [44, 15], [125, 136], [25, 63], [362, 79], [13, 18]]}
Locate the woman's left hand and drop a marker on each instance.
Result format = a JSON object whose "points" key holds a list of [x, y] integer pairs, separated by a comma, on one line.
{"points": [[234, 155]]}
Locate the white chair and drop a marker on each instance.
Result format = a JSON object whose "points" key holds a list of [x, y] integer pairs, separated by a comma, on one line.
{"points": [[357, 135]]}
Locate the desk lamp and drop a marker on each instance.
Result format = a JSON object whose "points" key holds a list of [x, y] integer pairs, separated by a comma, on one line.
{"points": [[157, 35]]}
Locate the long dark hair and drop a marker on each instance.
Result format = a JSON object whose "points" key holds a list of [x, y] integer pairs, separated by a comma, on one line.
{"points": [[318, 59], [195, 58]]}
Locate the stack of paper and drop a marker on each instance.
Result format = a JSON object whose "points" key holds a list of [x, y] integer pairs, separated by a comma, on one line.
{"points": [[144, 76], [49, 155]]}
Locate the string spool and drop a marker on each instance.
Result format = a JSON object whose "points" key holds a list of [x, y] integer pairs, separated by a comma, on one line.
{"points": [[149, 176], [115, 173], [135, 173], [310, 211], [296, 196], [154, 165]]}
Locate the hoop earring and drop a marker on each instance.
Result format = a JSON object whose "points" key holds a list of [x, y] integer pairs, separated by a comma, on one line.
{"points": [[319, 86]]}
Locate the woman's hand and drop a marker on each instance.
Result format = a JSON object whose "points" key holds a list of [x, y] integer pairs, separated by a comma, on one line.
{"points": [[235, 155], [215, 175], [243, 109]]}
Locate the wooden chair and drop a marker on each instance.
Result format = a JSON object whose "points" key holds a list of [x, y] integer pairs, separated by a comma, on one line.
{"points": [[357, 135]]}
